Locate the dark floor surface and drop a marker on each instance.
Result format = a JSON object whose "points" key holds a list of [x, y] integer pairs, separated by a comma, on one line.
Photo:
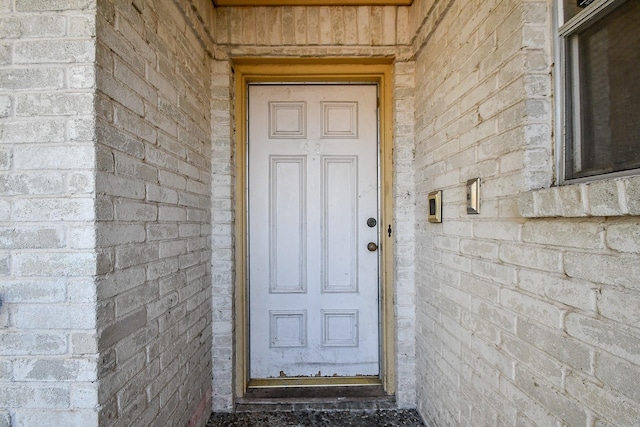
{"points": [[352, 418]]}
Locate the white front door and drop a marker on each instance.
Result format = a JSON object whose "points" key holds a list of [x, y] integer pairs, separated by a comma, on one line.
{"points": [[313, 201]]}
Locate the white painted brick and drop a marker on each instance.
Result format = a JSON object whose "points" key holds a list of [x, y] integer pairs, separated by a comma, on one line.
{"points": [[534, 257], [603, 334], [53, 5], [551, 397], [33, 291], [54, 264], [54, 370], [526, 405], [33, 343], [492, 271], [84, 344], [30, 238], [39, 316], [526, 355], [31, 79], [575, 293], [606, 269], [603, 198], [499, 230], [624, 237], [619, 306], [6, 106], [53, 157], [80, 182], [54, 104], [612, 407], [40, 130], [532, 308], [81, 26], [54, 51]]}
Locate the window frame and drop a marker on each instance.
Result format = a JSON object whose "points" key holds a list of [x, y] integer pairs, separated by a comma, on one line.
{"points": [[567, 86]]}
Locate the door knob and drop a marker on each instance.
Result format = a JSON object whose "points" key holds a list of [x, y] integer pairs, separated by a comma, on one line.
{"points": [[372, 247]]}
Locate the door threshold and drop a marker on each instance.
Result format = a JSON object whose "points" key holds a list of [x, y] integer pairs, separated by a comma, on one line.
{"points": [[297, 382], [311, 392], [315, 398]]}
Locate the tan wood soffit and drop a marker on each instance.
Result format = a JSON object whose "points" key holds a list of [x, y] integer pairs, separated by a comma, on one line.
{"points": [[233, 3]]}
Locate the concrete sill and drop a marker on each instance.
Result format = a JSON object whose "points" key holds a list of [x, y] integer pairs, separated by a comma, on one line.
{"points": [[609, 197]]}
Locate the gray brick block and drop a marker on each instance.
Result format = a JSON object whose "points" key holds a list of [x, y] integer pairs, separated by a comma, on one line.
{"points": [[31, 78], [32, 26], [33, 343], [71, 157], [53, 370], [35, 210], [34, 183], [606, 335], [30, 238], [54, 104], [33, 291], [623, 237], [6, 106], [54, 264], [36, 131], [122, 328], [54, 5], [45, 316], [54, 51]]}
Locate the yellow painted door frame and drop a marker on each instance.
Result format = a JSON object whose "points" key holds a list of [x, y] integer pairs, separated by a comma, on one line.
{"points": [[289, 70]]}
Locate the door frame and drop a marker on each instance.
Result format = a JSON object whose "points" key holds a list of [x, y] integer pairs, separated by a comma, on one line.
{"points": [[296, 70]]}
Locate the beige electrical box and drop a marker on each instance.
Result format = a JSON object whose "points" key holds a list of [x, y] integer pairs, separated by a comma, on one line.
{"points": [[435, 206]]}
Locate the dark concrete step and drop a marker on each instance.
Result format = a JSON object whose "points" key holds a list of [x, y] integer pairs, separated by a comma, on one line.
{"points": [[368, 397]]}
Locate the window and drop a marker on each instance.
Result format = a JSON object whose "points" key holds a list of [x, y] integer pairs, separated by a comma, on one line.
{"points": [[599, 88]]}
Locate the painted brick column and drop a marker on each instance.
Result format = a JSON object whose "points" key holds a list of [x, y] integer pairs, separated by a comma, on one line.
{"points": [[223, 260]]}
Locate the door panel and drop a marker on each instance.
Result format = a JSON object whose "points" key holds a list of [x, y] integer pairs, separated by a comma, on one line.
{"points": [[313, 284]]}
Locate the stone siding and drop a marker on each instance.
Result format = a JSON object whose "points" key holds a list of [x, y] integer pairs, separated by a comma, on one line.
{"points": [[154, 214], [48, 351], [526, 312]]}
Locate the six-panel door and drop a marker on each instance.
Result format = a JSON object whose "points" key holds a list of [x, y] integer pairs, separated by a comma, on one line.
{"points": [[313, 186]]}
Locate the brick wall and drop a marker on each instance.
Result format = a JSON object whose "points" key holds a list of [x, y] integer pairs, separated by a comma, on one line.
{"points": [[117, 187], [47, 251], [527, 312], [154, 213]]}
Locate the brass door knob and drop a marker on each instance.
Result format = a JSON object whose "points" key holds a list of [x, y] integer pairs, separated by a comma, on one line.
{"points": [[372, 247]]}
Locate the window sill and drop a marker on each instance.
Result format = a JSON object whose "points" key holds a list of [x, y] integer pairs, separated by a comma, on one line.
{"points": [[609, 197]]}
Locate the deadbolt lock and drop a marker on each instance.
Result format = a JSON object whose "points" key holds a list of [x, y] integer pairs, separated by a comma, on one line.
{"points": [[371, 222]]}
